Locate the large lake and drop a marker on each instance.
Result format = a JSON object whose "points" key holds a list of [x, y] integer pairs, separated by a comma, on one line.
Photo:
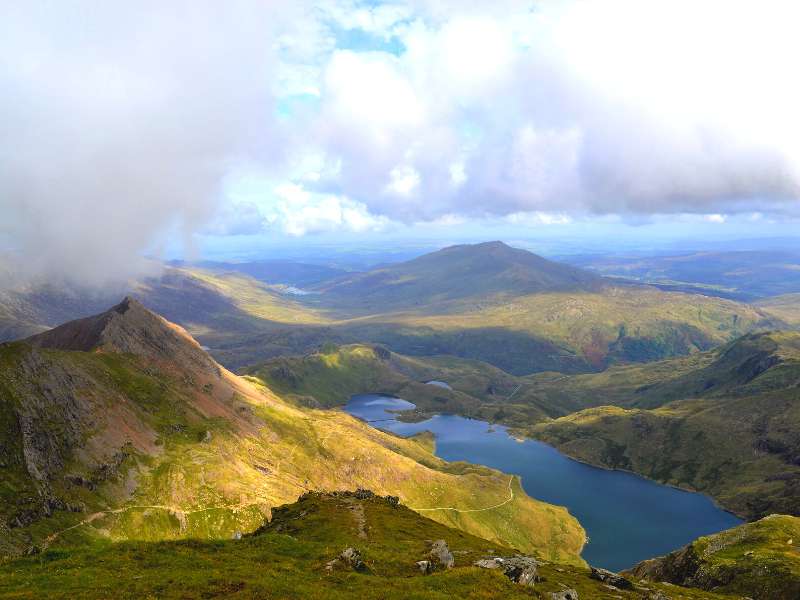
{"points": [[626, 517]]}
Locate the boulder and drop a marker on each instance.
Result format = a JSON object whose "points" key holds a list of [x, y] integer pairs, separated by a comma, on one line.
{"points": [[618, 581], [350, 557], [519, 569], [441, 553], [425, 566]]}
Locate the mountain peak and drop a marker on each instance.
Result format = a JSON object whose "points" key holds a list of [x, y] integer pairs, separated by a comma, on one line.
{"points": [[128, 328], [464, 271]]}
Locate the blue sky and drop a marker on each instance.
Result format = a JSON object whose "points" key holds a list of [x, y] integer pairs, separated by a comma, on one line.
{"points": [[565, 123]]}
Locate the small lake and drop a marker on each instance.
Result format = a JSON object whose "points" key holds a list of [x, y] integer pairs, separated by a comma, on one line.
{"points": [[627, 518]]}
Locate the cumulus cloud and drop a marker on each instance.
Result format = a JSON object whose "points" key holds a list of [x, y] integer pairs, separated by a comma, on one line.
{"points": [[118, 120], [623, 107], [121, 121]]}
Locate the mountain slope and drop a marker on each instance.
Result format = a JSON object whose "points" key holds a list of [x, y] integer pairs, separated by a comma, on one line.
{"points": [[295, 556], [458, 273], [139, 435], [725, 422], [487, 302], [761, 560]]}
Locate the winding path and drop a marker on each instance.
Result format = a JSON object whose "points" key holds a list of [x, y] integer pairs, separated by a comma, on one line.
{"points": [[472, 510]]}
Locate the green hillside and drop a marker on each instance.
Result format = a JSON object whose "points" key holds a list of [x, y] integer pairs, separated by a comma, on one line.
{"points": [[487, 302], [295, 556], [120, 427], [785, 307], [760, 560], [724, 422]]}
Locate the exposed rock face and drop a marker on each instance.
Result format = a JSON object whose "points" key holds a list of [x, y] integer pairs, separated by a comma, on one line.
{"points": [[132, 329], [618, 581], [441, 553], [519, 569]]}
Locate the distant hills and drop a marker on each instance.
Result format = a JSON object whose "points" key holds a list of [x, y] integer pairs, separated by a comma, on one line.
{"points": [[465, 272], [488, 302], [738, 275]]}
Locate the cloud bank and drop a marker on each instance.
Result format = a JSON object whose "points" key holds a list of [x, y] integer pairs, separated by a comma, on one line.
{"points": [[126, 123]]}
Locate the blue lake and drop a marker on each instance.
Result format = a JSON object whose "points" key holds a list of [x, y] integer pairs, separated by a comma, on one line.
{"points": [[626, 517]]}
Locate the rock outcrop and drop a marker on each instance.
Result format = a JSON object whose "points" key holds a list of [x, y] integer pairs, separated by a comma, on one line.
{"points": [[519, 569], [442, 555], [618, 581]]}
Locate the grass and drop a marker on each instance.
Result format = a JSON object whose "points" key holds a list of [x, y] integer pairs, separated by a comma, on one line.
{"points": [[204, 459], [287, 559], [759, 559]]}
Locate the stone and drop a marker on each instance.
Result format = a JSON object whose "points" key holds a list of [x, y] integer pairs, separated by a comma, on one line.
{"points": [[519, 569], [618, 581], [350, 557], [441, 553], [425, 566]]}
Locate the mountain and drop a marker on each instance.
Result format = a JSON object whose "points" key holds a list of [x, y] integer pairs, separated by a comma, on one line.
{"points": [[120, 427], [487, 302], [286, 272], [343, 545], [724, 422], [458, 273], [760, 560], [785, 307], [742, 275]]}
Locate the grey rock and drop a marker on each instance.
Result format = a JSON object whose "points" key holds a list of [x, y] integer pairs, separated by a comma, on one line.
{"points": [[425, 566], [350, 557], [441, 553], [519, 569], [618, 581]]}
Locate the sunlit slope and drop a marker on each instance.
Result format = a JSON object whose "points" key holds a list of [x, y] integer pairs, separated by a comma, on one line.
{"points": [[121, 427], [330, 377], [487, 302], [785, 307], [289, 558], [725, 422], [760, 560]]}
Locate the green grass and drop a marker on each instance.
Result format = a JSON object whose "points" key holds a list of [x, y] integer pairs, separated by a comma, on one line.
{"points": [[760, 560], [287, 559]]}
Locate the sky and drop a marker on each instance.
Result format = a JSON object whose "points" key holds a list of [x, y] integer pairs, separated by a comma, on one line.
{"points": [[200, 128]]}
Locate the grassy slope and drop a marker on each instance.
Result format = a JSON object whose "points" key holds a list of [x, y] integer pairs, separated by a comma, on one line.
{"points": [[287, 560], [206, 458], [723, 422], [487, 302], [330, 377], [785, 307], [760, 560], [734, 436]]}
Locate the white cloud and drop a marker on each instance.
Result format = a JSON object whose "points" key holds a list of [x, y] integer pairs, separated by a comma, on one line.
{"points": [[296, 211], [120, 120]]}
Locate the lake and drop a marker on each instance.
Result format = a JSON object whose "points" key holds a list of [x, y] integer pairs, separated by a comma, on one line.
{"points": [[627, 518]]}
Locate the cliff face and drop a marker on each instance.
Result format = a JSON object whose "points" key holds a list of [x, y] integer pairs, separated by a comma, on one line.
{"points": [[759, 559]]}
